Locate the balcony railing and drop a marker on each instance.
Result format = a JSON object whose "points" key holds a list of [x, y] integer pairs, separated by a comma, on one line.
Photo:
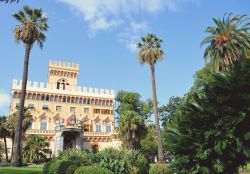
{"points": [[38, 131], [51, 132], [97, 133]]}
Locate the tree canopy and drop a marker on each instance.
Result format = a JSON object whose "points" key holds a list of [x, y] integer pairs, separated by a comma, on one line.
{"points": [[211, 133]]}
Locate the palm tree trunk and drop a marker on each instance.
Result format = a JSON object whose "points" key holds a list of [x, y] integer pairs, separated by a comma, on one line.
{"points": [[5, 147], [16, 159], [157, 124]]}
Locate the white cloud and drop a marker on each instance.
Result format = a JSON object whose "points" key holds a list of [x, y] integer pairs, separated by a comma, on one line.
{"points": [[132, 33], [4, 101], [103, 15]]}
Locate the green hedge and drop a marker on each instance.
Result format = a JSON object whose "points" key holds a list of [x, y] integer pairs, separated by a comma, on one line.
{"points": [[92, 170], [159, 169], [60, 167]]}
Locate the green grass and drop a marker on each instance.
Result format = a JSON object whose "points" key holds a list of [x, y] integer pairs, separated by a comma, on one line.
{"points": [[20, 170]]}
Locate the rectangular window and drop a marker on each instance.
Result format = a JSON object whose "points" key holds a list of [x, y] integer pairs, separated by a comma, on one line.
{"points": [[31, 106], [45, 107], [108, 128], [43, 124], [96, 111], [72, 109], [17, 105], [86, 110], [58, 108], [98, 128]]}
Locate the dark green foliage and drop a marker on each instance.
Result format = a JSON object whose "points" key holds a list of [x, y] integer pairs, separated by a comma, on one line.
{"points": [[60, 167], [158, 169], [167, 112], [75, 155], [132, 115], [149, 144], [210, 133], [141, 165], [92, 170]]}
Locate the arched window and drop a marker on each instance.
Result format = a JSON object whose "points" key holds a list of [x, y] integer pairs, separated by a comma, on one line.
{"points": [[95, 148], [62, 83], [43, 124]]}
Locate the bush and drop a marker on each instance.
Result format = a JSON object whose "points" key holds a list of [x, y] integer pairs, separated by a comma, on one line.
{"points": [[136, 160], [76, 155], [141, 165], [158, 169], [60, 167], [111, 159], [92, 170], [126, 161]]}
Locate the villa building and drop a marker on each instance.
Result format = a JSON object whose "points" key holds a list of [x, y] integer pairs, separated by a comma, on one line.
{"points": [[68, 115]]}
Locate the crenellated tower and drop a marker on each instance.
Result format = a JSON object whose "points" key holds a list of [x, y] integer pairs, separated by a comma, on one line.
{"points": [[63, 74]]}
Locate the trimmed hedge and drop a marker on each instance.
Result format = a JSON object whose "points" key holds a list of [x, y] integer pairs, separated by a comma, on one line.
{"points": [[92, 170], [60, 167], [159, 169]]}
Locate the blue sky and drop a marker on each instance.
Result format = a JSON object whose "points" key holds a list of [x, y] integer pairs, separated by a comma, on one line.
{"points": [[100, 35]]}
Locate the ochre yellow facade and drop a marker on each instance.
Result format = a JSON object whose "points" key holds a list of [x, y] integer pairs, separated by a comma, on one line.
{"points": [[68, 115]]}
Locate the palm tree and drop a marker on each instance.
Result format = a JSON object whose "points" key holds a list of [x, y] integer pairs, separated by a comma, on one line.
{"points": [[131, 129], [4, 134], [228, 42], [36, 149], [31, 24], [12, 122], [150, 52]]}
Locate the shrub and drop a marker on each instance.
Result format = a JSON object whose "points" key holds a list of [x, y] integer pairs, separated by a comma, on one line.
{"points": [[92, 170], [126, 161], [111, 159], [75, 155], [137, 161], [158, 169], [141, 164], [60, 167]]}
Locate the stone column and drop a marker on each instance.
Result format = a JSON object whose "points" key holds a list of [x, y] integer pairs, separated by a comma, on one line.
{"points": [[79, 141], [58, 145]]}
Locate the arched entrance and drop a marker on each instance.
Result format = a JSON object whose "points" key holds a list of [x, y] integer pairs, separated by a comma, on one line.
{"points": [[69, 141], [95, 148]]}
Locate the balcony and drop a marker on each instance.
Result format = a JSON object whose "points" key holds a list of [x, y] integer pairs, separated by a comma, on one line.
{"points": [[39, 132], [97, 134]]}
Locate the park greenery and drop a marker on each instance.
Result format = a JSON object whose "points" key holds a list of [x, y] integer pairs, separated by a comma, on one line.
{"points": [[206, 131]]}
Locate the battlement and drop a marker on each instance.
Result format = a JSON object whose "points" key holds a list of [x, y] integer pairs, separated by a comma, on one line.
{"points": [[63, 65], [70, 90]]}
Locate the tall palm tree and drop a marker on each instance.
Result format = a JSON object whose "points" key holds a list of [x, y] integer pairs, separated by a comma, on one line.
{"points": [[4, 134], [228, 40], [31, 24], [150, 52]]}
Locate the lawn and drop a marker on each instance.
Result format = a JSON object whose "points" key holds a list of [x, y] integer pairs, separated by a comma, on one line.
{"points": [[20, 170]]}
